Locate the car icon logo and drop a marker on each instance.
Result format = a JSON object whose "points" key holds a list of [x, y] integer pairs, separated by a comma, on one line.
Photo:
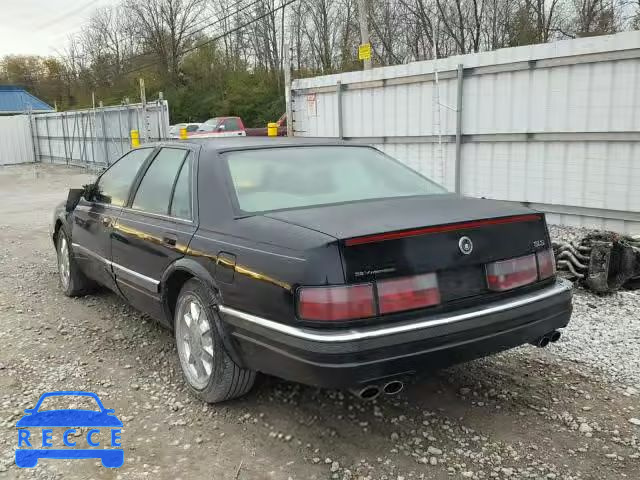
{"points": [[465, 245], [36, 438]]}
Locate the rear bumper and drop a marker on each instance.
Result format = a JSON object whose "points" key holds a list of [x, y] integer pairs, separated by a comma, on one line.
{"points": [[346, 358]]}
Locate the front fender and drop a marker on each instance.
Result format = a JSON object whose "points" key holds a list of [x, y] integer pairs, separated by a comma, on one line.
{"points": [[60, 218]]}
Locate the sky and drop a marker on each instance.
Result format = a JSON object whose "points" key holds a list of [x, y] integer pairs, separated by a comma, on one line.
{"points": [[41, 27]]}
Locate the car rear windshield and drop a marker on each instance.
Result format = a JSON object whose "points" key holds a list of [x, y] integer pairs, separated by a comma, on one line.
{"points": [[294, 177]]}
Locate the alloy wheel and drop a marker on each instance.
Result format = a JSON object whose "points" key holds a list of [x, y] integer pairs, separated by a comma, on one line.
{"points": [[63, 262], [194, 341]]}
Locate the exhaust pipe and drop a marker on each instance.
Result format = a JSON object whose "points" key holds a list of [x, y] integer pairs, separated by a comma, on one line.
{"points": [[393, 387], [541, 342], [368, 392], [544, 340]]}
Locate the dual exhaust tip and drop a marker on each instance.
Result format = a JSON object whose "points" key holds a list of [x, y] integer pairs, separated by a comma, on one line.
{"points": [[393, 387], [547, 338], [373, 391]]}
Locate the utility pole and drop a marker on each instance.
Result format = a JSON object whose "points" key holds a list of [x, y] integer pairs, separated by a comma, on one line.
{"points": [[364, 29], [287, 89], [145, 117], [143, 94]]}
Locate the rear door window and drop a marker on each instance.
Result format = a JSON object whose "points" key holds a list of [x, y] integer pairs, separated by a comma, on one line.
{"points": [[156, 187], [231, 125], [181, 202], [115, 183]]}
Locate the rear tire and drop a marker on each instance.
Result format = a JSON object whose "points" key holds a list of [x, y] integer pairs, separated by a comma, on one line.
{"points": [[209, 371], [72, 280]]}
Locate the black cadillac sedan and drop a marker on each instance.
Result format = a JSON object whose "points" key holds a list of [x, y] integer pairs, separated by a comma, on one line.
{"points": [[323, 263]]}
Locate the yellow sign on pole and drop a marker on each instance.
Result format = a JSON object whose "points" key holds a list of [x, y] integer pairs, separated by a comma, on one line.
{"points": [[364, 51]]}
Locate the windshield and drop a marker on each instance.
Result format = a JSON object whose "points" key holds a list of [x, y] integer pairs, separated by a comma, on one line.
{"points": [[280, 178], [206, 127], [213, 121]]}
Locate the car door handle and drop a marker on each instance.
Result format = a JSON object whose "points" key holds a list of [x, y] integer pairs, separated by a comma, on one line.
{"points": [[170, 240]]}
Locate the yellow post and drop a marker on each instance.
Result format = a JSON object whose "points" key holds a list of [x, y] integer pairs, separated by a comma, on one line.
{"points": [[272, 129], [135, 138], [183, 133]]}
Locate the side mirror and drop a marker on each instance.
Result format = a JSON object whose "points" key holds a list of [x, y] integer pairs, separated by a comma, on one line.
{"points": [[90, 191], [73, 198], [221, 128]]}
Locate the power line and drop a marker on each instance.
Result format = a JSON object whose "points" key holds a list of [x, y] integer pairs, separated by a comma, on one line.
{"points": [[220, 20], [214, 39], [69, 13], [192, 33], [211, 40]]}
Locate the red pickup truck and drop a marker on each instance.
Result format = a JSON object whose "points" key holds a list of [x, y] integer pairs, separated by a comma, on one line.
{"points": [[262, 131]]}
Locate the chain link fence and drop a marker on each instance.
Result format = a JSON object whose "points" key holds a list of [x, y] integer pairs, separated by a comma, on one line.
{"points": [[96, 137]]}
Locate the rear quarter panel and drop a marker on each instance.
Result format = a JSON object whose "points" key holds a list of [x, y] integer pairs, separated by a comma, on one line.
{"points": [[257, 262]]}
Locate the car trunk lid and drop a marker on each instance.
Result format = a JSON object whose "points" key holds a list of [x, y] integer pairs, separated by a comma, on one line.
{"points": [[407, 236]]}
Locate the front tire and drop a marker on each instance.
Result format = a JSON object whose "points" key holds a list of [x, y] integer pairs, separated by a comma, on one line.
{"points": [[72, 280], [208, 370]]}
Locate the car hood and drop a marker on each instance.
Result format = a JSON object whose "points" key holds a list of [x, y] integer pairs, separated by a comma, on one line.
{"points": [[69, 418], [395, 214]]}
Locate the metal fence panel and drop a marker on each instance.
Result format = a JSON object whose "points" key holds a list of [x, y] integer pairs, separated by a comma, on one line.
{"points": [[16, 145], [97, 137], [554, 125]]}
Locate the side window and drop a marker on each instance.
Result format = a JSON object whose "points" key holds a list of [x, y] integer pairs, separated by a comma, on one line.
{"points": [[181, 202], [115, 183], [231, 125], [154, 192], [192, 127]]}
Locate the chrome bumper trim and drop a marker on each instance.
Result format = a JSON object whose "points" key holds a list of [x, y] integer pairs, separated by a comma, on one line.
{"points": [[139, 279], [343, 335]]}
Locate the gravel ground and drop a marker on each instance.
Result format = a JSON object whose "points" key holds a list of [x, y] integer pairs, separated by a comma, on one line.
{"points": [[566, 412], [605, 329]]}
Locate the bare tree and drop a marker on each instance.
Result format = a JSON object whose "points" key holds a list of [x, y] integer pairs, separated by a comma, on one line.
{"points": [[386, 24], [349, 33], [594, 17], [543, 13], [166, 28], [321, 30], [422, 14], [497, 23], [265, 34]]}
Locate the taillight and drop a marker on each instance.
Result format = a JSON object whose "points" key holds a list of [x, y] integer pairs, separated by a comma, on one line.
{"points": [[336, 303], [512, 273], [546, 264], [408, 293]]}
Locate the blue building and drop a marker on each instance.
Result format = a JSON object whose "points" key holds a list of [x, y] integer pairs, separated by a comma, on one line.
{"points": [[15, 100]]}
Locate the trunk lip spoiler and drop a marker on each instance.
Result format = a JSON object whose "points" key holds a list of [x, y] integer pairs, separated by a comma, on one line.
{"points": [[237, 317], [414, 232]]}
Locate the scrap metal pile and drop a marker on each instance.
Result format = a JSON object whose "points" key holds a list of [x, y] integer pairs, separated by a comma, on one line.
{"points": [[603, 262]]}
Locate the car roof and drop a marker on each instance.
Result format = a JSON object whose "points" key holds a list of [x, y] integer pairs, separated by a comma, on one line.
{"points": [[225, 144]]}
